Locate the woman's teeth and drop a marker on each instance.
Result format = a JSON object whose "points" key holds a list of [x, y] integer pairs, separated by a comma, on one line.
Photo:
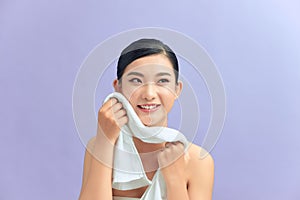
{"points": [[148, 107]]}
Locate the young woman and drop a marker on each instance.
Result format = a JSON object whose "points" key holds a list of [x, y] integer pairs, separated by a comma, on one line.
{"points": [[147, 76]]}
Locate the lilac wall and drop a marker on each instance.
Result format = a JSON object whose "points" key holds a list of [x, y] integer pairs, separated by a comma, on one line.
{"points": [[255, 45]]}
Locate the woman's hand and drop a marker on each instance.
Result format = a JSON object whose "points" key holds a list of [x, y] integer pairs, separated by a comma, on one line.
{"points": [[173, 161], [111, 117]]}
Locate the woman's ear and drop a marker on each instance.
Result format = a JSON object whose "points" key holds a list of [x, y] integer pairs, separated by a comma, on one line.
{"points": [[178, 89], [117, 85]]}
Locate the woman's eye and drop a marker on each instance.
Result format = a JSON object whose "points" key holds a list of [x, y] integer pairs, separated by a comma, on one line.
{"points": [[163, 81], [135, 80]]}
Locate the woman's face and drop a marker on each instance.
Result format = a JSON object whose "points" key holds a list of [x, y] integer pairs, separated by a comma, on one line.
{"points": [[149, 85]]}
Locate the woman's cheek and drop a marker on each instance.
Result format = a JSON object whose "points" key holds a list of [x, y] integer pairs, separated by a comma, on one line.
{"points": [[169, 98], [129, 92]]}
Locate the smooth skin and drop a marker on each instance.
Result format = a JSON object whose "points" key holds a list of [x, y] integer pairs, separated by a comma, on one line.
{"points": [[186, 175]]}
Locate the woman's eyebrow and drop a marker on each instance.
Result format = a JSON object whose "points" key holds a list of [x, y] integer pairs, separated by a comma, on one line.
{"points": [[163, 74], [135, 73]]}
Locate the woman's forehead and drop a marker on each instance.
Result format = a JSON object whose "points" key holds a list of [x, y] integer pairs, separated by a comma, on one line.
{"points": [[150, 69], [150, 64]]}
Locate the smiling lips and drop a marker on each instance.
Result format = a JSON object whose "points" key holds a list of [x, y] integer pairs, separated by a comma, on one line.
{"points": [[148, 107]]}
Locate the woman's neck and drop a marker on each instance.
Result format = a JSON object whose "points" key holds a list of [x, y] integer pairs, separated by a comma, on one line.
{"points": [[148, 153], [143, 147]]}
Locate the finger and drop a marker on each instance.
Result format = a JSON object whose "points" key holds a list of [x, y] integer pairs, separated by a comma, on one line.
{"points": [[179, 149], [108, 104], [122, 121], [162, 155], [178, 143], [167, 150], [120, 113], [168, 144], [116, 107], [181, 144]]}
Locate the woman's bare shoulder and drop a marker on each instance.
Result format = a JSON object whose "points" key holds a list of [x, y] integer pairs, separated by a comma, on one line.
{"points": [[196, 151], [200, 173], [197, 162]]}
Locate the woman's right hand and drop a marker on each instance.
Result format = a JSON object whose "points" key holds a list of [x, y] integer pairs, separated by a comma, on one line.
{"points": [[111, 117]]}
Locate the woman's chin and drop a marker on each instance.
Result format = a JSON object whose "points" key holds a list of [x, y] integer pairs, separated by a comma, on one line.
{"points": [[152, 122], [147, 122]]}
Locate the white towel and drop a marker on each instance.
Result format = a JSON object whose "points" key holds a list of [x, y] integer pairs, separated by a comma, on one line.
{"points": [[128, 172]]}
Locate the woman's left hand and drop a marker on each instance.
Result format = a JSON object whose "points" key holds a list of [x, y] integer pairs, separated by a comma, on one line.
{"points": [[173, 161]]}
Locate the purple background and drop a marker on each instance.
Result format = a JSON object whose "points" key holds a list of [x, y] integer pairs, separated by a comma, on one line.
{"points": [[255, 45]]}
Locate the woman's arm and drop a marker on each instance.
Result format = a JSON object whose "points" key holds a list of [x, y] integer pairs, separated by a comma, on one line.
{"points": [[188, 168], [201, 173], [97, 173], [177, 190], [173, 167]]}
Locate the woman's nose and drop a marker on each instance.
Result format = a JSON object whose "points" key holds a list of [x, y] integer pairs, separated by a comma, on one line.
{"points": [[149, 91]]}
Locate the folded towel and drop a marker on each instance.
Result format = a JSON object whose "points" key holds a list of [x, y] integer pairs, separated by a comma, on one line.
{"points": [[128, 172]]}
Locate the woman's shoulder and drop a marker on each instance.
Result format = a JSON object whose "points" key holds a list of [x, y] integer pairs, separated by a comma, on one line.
{"points": [[199, 160], [197, 152]]}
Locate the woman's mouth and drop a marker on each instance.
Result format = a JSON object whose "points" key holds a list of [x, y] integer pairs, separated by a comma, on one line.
{"points": [[148, 107]]}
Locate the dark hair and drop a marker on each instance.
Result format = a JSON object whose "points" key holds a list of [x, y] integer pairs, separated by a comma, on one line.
{"points": [[142, 48]]}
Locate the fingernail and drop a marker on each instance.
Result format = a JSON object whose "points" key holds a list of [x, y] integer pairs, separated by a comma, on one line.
{"points": [[114, 100]]}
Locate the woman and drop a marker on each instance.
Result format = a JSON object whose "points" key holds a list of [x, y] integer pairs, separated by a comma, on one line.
{"points": [[147, 76]]}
